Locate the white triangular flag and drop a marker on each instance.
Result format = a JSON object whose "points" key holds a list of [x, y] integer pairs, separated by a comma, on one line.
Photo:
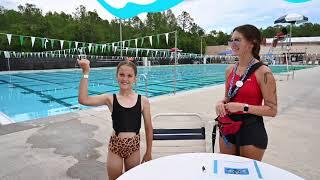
{"points": [[167, 38], [61, 44], [137, 51], [148, 51], [90, 46], [136, 41], [45, 43], [115, 49], [33, 39], [123, 43], [150, 38], [76, 43], [9, 38], [6, 54], [127, 50]]}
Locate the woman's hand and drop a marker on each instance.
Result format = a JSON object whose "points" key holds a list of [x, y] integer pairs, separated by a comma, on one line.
{"points": [[85, 65], [220, 109], [233, 107], [146, 157]]}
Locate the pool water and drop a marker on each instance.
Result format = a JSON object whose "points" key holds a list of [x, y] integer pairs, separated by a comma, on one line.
{"points": [[30, 95]]}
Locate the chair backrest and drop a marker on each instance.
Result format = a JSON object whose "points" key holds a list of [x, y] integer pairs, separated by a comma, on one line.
{"points": [[176, 133]]}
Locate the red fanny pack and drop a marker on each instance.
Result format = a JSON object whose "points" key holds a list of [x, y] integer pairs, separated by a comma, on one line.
{"points": [[227, 126]]}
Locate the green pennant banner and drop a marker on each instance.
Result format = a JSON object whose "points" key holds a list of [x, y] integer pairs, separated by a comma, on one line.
{"points": [[52, 43], [96, 49], [92, 49], [42, 42], [21, 40], [70, 42]]}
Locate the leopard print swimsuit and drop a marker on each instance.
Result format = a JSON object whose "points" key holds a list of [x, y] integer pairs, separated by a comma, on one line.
{"points": [[124, 147]]}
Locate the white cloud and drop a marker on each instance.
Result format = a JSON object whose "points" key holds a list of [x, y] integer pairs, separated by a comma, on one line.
{"points": [[208, 14]]}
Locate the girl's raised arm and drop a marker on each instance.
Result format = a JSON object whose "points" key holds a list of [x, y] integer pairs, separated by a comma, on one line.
{"points": [[83, 98]]}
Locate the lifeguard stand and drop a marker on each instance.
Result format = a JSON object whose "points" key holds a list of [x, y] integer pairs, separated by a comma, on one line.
{"points": [[173, 51], [282, 38]]}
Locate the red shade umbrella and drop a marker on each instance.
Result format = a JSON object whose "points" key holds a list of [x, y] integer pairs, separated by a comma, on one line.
{"points": [[175, 49]]}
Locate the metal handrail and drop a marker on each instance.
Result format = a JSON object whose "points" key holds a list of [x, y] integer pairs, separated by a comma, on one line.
{"points": [[177, 114], [146, 82]]}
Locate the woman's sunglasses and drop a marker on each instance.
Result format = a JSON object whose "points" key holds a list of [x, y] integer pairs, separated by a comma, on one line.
{"points": [[235, 42]]}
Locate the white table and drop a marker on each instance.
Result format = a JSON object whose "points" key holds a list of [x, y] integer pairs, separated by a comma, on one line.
{"points": [[217, 166]]}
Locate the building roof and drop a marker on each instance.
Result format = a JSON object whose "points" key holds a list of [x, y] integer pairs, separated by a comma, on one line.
{"points": [[300, 40]]}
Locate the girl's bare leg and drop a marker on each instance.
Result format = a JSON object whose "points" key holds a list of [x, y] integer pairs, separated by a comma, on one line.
{"points": [[226, 149], [132, 161], [114, 165], [251, 152]]}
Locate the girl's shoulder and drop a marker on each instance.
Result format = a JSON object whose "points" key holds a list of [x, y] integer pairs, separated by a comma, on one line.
{"points": [[264, 74], [144, 98], [263, 70], [109, 98], [144, 101]]}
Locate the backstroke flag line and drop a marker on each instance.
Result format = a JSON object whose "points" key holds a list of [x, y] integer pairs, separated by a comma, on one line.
{"points": [[129, 8]]}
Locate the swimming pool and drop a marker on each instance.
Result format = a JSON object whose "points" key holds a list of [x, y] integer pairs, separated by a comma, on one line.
{"points": [[36, 94]]}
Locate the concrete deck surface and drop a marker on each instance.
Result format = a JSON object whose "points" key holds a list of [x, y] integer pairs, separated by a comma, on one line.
{"points": [[74, 145]]}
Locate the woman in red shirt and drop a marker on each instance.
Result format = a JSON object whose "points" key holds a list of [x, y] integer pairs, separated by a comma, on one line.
{"points": [[247, 100]]}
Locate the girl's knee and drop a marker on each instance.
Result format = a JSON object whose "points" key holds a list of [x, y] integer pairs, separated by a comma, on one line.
{"points": [[114, 170]]}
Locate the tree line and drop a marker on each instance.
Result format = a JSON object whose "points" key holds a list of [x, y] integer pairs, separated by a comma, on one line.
{"points": [[87, 26]]}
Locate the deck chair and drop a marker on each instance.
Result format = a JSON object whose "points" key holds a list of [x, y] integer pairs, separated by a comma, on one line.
{"points": [[178, 133]]}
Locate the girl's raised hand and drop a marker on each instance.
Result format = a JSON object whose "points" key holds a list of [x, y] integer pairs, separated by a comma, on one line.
{"points": [[85, 65]]}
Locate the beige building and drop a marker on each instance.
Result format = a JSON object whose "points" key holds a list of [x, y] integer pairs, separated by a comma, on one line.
{"points": [[302, 49]]}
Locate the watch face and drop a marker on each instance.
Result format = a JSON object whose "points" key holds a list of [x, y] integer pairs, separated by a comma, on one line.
{"points": [[246, 108]]}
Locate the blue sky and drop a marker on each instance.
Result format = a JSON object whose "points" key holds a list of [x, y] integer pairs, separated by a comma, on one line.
{"points": [[209, 14]]}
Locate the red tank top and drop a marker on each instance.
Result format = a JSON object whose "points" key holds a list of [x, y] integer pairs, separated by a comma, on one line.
{"points": [[249, 93]]}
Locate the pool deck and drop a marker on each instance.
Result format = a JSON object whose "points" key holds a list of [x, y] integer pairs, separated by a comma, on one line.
{"points": [[74, 145]]}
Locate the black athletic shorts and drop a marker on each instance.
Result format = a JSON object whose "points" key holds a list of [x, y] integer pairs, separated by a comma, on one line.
{"points": [[252, 132]]}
